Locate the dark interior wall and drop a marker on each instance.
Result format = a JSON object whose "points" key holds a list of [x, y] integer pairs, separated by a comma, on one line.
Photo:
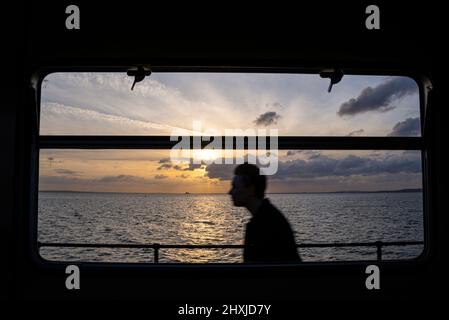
{"points": [[226, 34], [319, 35]]}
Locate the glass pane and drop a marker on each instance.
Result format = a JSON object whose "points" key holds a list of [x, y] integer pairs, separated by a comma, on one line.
{"points": [[142, 197], [169, 103]]}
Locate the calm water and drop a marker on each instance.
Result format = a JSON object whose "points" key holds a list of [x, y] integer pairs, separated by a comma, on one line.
{"points": [[211, 219]]}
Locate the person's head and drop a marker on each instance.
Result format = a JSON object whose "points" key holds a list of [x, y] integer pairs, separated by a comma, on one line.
{"points": [[247, 184]]}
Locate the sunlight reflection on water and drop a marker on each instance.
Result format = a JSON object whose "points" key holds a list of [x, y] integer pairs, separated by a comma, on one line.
{"points": [[211, 219]]}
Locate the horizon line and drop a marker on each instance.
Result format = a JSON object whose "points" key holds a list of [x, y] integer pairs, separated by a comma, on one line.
{"points": [[217, 193]]}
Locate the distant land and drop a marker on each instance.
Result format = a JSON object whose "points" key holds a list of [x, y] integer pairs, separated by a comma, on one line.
{"points": [[189, 193], [379, 191]]}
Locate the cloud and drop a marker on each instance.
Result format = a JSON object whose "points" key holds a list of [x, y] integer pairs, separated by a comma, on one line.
{"points": [[111, 83], [275, 105], [67, 172], [122, 178], [169, 101], [160, 176], [320, 166], [190, 166], [101, 181], [325, 166], [118, 183], [51, 160], [267, 118], [62, 180], [408, 127], [220, 171], [378, 98], [165, 166], [356, 133], [193, 166], [57, 118], [165, 160], [307, 153]]}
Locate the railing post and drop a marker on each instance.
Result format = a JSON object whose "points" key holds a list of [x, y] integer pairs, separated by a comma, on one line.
{"points": [[379, 250], [156, 252]]}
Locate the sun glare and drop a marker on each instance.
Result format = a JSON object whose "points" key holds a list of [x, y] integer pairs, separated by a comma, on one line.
{"points": [[206, 154]]}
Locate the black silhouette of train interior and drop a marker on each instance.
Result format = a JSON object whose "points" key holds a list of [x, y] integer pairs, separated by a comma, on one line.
{"points": [[221, 38]]}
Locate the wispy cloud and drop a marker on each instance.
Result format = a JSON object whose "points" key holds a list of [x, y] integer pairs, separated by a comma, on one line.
{"points": [[122, 178], [57, 117], [67, 172], [356, 133], [117, 180]]}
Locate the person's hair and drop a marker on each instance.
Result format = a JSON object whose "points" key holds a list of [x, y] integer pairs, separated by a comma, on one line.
{"points": [[252, 177]]}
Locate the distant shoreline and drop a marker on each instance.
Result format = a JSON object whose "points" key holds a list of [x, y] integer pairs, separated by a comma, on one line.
{"points": [[192, 193]]}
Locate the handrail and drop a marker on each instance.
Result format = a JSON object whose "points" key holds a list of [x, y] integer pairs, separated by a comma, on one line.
{"points": [[157, 246]]}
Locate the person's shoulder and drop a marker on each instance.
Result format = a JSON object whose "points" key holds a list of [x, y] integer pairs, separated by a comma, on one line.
{"points": [[273, 213], [270, 207]]}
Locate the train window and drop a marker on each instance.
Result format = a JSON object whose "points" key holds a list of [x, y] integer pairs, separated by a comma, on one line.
{"points": [[344, 168]]}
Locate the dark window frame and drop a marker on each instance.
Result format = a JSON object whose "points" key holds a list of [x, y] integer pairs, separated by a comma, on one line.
{"points": [[284, 142]]}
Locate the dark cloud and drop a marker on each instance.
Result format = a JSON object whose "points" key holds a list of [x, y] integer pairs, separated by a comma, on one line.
{"points": [[190, 167], [291, 153], [408, 127], [324, 166], [319, 166], [313, 155], [160, 176], [164, 166], [67, 172], [267, 118], [193, 166], [52, 160], [378, 98], [165, 160], [220, 171], [356, 133]]}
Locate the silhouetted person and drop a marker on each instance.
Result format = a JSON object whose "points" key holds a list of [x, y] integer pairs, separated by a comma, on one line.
{"points": [[268, 237]]}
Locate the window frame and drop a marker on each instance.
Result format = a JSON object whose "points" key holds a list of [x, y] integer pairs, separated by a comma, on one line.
{"points": [[38, 142]]}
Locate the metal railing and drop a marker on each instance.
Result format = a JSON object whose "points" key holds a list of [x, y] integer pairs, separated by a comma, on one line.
{"points": [[156, 246]]}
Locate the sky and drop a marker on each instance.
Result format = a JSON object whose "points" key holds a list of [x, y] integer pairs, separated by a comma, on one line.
{"points": [[165, 103]]}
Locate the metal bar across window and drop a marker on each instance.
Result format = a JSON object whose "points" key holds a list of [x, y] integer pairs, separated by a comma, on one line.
{"points": [[284, 142]]}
